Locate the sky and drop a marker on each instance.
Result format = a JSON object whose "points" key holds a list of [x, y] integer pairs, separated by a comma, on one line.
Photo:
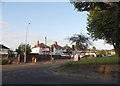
{"points": [[55, 20]]}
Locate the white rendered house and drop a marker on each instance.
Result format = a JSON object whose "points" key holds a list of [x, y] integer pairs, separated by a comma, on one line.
{"points": [[57, 49], [40, 48]]}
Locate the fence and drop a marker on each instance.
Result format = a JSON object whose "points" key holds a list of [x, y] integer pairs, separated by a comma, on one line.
{"points": [[44, 57]]}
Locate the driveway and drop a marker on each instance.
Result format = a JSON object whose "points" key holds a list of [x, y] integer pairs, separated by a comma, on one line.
{"points": [[41, 73]]}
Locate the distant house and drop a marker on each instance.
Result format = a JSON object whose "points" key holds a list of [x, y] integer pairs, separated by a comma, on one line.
{"points": [[112, 52], [67, 49], [93, 54], [3, 50], [40, 48], [57, 49]]}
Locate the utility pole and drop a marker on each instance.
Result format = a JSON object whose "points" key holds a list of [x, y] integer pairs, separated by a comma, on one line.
{"points": [[25, 58]]}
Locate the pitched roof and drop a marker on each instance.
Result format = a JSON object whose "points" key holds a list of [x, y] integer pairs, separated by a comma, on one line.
{"points": [[3, 47], [67, 47], [56, 46], [41, 45]]}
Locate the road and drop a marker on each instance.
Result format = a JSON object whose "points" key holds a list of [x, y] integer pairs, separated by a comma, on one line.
{"points": [[40, 73]]}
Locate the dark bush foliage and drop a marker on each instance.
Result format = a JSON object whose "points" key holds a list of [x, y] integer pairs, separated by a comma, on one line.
{"points": [[4, 62]]}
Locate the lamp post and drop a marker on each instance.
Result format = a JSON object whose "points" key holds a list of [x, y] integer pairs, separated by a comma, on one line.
{"points": [[25, 58], [45, 47]]}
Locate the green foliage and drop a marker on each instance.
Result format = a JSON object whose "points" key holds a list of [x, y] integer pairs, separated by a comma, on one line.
{"points": [[87, 6], [104, 24], [93, 48], [11, 53], [94, 61], [4, 61], [21, 48], [81, 41], [103, 21]]}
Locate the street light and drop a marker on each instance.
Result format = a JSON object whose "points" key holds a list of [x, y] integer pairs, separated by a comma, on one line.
{"points": [[45, 46], [26, 44]]}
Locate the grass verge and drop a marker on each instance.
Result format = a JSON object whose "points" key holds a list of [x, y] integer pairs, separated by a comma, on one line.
{"points": [[94, 61]]}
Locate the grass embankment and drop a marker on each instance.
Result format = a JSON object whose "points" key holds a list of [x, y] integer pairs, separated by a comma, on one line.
{"points": [[99, 68], [94, 61]]}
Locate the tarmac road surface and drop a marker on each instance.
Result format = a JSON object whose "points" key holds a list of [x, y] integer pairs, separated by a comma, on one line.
{"points": [[40, 73]]}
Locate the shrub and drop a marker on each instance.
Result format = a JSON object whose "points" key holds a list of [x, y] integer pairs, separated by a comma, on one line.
{"points": [[0, 61], [4, 62]]}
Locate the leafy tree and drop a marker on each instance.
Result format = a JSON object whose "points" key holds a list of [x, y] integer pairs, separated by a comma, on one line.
{"points": [[103, 21], [11, 53], [81, 41], [21, 48], [93, 48]]}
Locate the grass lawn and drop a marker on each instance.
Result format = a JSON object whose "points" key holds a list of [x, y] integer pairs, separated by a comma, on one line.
{"points": [[94, 61], [99, 68]]}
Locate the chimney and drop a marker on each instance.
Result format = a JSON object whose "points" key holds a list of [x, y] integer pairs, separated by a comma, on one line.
{"points": [[66, 45], [55, 43], [37, 43]]}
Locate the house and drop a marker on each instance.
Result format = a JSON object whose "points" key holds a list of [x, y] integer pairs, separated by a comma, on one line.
{"points": [[3, 50], [112, 52], [57, 49], [93, 54], [67, 49], [40, 48]]}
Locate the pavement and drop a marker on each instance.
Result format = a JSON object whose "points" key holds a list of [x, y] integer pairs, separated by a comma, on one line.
{"points": [[41, 73]]}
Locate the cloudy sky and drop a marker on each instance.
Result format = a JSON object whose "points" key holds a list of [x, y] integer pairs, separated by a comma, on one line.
{"points": [[55, 20]]}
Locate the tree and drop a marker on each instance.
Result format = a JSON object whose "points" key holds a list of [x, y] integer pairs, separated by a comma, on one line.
{"points": [[102, 26], [21, 48], [93, 48], [87, 6], [11, 53], [81, 41], [103, 21]]}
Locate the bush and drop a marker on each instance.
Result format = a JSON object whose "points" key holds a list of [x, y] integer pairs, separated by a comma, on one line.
{"points": [[4, 62]]}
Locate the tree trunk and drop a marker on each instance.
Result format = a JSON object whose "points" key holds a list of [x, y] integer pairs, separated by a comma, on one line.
{"points": [[117, 49]]}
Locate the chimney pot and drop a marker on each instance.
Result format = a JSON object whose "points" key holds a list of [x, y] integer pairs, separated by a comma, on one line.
{"points": [[55, 43], [37, 43]]}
